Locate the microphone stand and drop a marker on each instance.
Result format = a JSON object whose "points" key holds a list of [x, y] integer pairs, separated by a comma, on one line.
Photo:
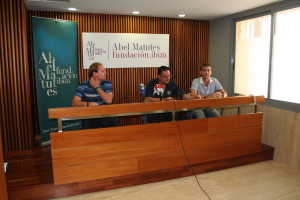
{"points": [[143, 97]]}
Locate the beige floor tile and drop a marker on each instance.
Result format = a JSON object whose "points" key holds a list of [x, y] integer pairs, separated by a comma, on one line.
{"points": [[261, 181]]}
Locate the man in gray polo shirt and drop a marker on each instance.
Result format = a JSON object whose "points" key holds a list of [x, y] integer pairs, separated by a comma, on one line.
{"points": [[208, 88]]}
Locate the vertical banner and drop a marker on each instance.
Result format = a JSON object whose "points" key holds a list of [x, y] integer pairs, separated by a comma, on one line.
{"points": [[56, 70]]}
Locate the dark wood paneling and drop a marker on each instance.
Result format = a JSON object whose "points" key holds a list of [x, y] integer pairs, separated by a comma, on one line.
{"points": [[188, 48], [189, 42], [3, 189], [15, 99]]}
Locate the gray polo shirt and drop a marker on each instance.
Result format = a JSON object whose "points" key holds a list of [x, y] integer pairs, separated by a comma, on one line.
{"points": [[213, 86]]}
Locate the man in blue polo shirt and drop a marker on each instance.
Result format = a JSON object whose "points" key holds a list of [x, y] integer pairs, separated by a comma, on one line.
{"points": [[208, 88], [97, 91]]}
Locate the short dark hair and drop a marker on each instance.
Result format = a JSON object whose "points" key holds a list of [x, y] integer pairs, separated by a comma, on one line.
{"points": [[94, 67], [162, 69], [204, 65]]}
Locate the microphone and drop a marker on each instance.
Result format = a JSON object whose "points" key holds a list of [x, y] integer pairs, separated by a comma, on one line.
{"points": [[158, 90], [142, 89]]}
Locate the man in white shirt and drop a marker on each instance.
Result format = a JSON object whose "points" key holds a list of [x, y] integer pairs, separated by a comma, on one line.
{"points": [[208, 88]]}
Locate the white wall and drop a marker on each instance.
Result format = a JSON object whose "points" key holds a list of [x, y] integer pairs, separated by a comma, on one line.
{"points": [[220, 48]]}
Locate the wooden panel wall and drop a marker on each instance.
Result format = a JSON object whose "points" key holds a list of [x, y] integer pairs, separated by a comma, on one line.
{"points": [[189, 47], [3, 188], [15, 99]]}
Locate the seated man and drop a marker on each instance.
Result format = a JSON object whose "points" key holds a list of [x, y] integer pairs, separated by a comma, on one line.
{"points": [[96, 91], [162, 89], [208, 88]]}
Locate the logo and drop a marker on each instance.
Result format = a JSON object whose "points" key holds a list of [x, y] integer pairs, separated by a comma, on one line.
{"points": [[99, 51], [92, 51], [158, 90]]}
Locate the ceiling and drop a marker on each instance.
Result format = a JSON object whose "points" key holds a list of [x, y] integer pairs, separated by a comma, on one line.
{"points": [[194, 9]]}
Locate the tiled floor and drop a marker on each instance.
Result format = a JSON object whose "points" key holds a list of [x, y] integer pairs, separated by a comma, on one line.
{"points": [[267, 180]]}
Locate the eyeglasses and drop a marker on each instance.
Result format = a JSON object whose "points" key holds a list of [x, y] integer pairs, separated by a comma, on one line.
{"points": [[166, 76]]}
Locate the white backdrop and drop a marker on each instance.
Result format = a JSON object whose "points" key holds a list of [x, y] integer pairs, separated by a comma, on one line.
{"points": [[123, 50]]}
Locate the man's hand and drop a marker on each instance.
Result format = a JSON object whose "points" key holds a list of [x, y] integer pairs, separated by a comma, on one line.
{"points": [[197, 96], [92, 104], [94, 83], [216, 95], [168, 99], [192, 96]]}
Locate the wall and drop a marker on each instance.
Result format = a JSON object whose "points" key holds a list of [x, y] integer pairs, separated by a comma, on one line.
{"points": [[3, 188], [15, 99], [220, 51], [188, 48], [282, 131]]}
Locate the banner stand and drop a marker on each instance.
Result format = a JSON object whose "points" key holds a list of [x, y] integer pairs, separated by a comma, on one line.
{"points": [[55, 46]]}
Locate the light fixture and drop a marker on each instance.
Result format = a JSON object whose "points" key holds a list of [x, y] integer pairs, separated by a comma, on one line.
{"points": [[181, 15], [136, 12], [72, 9]]}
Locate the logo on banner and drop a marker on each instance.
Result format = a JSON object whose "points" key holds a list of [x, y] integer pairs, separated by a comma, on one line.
{"points": [[50, 75], [92, 51]]}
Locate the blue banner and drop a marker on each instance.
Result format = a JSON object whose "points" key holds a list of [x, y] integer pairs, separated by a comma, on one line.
{"points": [[56, 69]]}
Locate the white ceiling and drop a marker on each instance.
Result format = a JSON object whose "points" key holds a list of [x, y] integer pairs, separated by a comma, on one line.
{"points": [[194, 9]]}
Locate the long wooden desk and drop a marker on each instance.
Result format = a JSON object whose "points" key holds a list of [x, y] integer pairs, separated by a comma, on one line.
{"points": [[115, 110], [149, 149]]}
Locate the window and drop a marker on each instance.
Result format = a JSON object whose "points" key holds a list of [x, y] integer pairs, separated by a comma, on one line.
{"points": [[252, 56], [254, 73], [286, 57]]}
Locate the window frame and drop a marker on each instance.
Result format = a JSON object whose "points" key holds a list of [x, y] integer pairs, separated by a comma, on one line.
{"points": [[266, 10]]}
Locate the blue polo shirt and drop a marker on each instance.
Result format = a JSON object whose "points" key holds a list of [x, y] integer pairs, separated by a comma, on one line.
{"points": [[89, 94]]}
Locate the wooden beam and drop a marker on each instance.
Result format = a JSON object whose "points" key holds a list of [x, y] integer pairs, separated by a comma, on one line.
{"points": [[228, 101], [109, 109], [114, 109]]}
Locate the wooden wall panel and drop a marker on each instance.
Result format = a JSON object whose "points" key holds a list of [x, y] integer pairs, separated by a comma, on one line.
{"points": [[3, 187], [15, 99], [189, 45], [188, 48]]}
